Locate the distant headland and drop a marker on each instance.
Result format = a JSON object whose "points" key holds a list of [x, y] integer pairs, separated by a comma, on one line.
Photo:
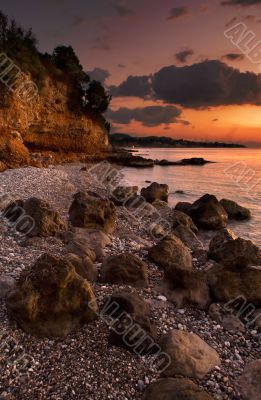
{"points": [[122, 139]]}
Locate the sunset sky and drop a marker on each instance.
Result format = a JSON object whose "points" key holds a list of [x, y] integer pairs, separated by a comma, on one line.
{"points": [[170, 67]]}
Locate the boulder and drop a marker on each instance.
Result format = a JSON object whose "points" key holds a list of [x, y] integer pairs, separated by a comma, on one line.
{"points": [[180, 218], [34, 217], [234, 210], [171, 252], [187, 287], [250, 382], [3, 166], [136, 333], [122, 194], [229, 321], [237, 253], [175, 389], [51, 299], [7, 285], [124, 269], [13, 153], [208, 213], [83, 240], [188, 238], [89, 210], [228, 284], [183, 206], [131, 328], [190, 355], [222, 236], [83, 266], [155, 191]]}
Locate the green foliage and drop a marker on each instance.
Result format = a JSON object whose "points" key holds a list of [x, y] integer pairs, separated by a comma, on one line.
{"points": [[96, 97], [21, 47], [66, 60]]}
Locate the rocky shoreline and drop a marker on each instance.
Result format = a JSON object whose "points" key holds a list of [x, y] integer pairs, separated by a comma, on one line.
{"points": [[169, 257]]}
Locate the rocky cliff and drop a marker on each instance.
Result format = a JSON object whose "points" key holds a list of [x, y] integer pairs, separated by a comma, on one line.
{"points": [[45, 126]]}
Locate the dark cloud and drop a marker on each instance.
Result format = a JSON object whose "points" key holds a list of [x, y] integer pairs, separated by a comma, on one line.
{"points": [[178, 12], [233, 57], [182, 56], [215, 120], [148, 116], [123, 9], [99, 74], [121, 66], [102, 43], [207, 84], [137, 86], [242, 3]]}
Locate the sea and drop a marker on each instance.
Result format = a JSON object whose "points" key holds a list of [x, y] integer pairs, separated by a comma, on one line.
{"points": [[234, 174]]}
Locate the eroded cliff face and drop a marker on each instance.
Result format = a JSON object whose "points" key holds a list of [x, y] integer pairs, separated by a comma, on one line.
{"points": [[45, 124]]}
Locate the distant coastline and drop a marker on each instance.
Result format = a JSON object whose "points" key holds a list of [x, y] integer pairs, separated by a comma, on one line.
{"points": [[124, 140]]}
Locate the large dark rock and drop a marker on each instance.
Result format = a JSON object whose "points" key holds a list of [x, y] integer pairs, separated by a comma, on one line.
{"points": [[124, 194], [131, 328], [208, 213], [51, 299], [190, 355], [180, 218], [89, 210], [175, 389], [82, 241], [188, 237], [228, 284], [83, 266], [237, 253], [124, 269], [187, 287], [234, 210], [250, 382], [171, 252], [155, 191], [34, 217], [183, 206], [222, 236]]}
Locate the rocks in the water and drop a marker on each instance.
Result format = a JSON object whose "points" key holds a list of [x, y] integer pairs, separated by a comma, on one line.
{"points": [[190, 355], [171, 252], [195, 161], [175, 389], [187, 287], [234, 210], [250, 382], [123, 194], [83, 266], [83, 240], [7, 285], [208, 213], [51, 299], [222, 236], [238, 253], [155, 191], [89, 210], [228, 284], [34, 217], [188, 237], [180, 218], [124, 269], [229, 321], [183, 206]]}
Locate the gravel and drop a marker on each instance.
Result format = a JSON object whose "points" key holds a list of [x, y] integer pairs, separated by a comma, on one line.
{"points": [[83, 366]]}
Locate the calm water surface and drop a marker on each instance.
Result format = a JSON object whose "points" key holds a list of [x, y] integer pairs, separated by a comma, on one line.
{"points": [[235, 175]]}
